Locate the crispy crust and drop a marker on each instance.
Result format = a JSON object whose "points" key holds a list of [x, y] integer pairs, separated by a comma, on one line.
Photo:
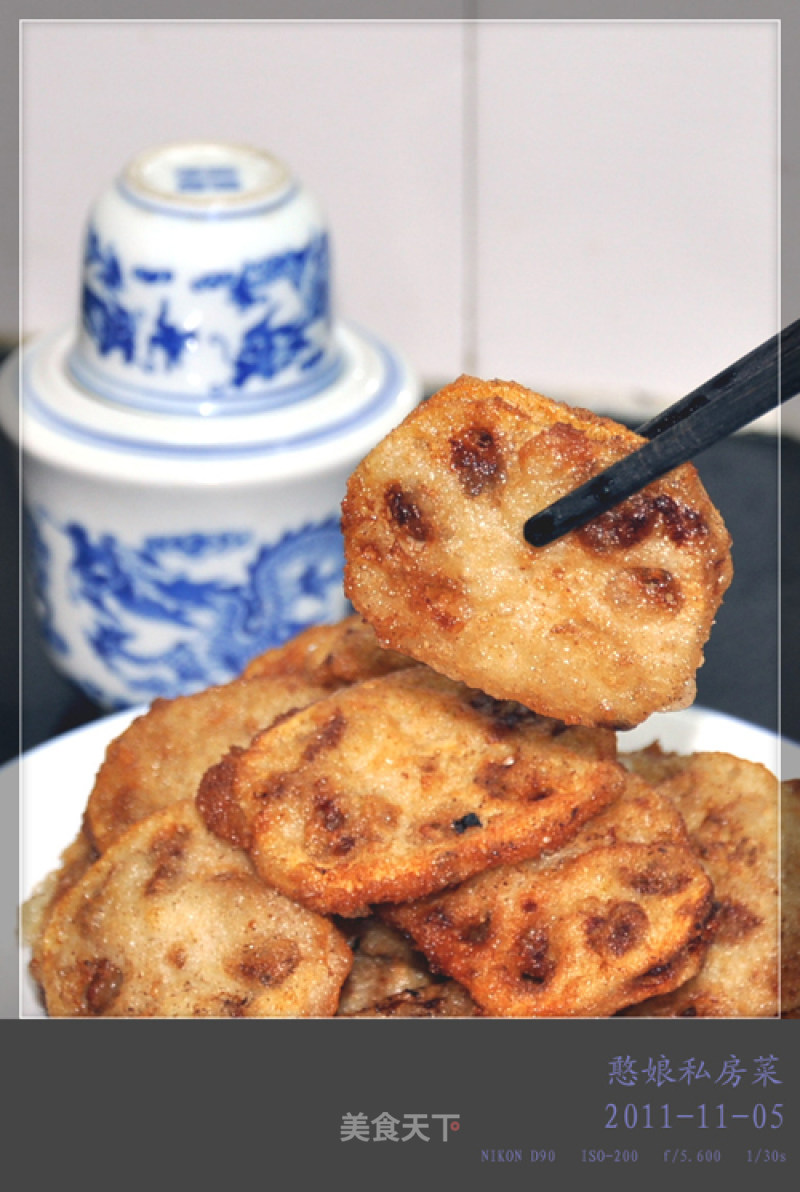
{"points": [[602, 627], [399, 786], [331, 656], [171, 922], [75, 860], [618, 915], [385, 966], [790, 898], [437, 999], [730, 807], [163, 754]]}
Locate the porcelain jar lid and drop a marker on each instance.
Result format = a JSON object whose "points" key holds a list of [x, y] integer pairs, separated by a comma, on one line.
{"points": [[206, 284]]}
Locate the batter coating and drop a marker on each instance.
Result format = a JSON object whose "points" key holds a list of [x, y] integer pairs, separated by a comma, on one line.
{"points": [[730, 808], [74, 861], [329, 655], [163, 754], [613, 918], [602, 627], [390, 979], [437, 999], [398, 786], [384, 966], [790, 898], [170, 922]]}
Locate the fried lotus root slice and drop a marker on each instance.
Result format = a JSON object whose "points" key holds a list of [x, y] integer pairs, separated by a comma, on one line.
{"points": [[437, 999], [398, 786], [384, 966], [602, 627], [74, 861], [172, 923], [620, 914], [161, 757], [330, 655], [730, 807], [790, 898]]}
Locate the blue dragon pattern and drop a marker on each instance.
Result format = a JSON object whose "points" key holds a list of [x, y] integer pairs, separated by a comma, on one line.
{"points": [[282, 302], [176, 613]]}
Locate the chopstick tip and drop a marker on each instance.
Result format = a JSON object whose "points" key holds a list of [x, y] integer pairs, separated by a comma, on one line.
{"points": [[539, 530]]}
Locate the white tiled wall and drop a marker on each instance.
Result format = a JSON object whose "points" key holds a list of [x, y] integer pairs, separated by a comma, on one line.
{"points": [[588, 207], [628, 202]]}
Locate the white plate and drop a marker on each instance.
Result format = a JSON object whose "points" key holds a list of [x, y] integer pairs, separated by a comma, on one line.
{"points": [[55, 779]]}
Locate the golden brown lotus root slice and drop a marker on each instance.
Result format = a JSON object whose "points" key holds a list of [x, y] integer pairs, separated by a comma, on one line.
{"points": [[162, 755], [730, 807], [790, 898], [618, 915], [331, 656], [385, 965], [602, 627], [437, 999], [74, 861], [172, 923], [398, 786], [390, 979]]}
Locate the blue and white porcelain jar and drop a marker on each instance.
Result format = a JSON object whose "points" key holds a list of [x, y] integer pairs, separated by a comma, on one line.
{"points": [[185, 447]]}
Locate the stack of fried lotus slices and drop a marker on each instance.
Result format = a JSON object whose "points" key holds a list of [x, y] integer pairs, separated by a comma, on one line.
{"points": [[342, 832]]}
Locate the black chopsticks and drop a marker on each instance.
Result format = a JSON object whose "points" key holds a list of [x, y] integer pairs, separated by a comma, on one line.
{"points": [[760, 381]]}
